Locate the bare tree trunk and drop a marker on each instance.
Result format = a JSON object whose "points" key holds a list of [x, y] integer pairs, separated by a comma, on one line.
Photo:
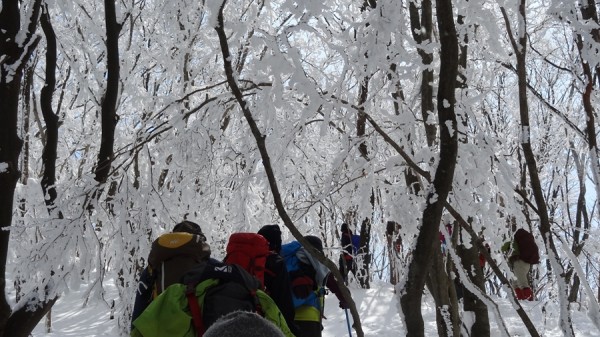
{"points": [[470, 261], [109, 101], [589, 12], [422, 28], [582, 225], [50, 118], [16, 47], [363, 273], [411, 296]]}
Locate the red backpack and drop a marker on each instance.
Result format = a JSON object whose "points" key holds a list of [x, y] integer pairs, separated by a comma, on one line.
{"points": [[528, 249], [249, 251]]}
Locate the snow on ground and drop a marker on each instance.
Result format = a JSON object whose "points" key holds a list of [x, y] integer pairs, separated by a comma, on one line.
{"points": [[378, 310]]}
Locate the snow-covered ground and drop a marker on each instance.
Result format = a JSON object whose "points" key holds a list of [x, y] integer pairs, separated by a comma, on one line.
{"points": [[378, 309]]}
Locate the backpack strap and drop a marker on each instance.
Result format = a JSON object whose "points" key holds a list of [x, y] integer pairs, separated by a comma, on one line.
{"points": [[190, 293]]}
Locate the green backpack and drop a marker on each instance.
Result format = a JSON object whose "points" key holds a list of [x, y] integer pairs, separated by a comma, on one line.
{"points": [[206, 293]]}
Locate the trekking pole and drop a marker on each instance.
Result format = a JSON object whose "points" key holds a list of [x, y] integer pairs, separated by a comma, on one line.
{"points": [[346, 272], [348, 322]]}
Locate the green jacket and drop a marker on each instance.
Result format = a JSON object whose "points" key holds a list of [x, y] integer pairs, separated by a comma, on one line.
{"points": [[510, 250], [169, 315]]}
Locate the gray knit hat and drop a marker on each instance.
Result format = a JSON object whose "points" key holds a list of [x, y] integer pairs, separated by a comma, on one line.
{"points": [[243, 324]]}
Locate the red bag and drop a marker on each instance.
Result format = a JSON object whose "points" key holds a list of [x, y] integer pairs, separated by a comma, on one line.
{"points": [[249, 251], [528, 249]]}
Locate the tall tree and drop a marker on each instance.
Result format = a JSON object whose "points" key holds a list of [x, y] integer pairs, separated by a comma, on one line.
{"points": [[17, 43], [109, 101], [418, 268]]}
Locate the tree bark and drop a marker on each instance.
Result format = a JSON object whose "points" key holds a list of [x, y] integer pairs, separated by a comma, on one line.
{"points": [[470, 261], [49, 154], [422, 28], [419, 266], [14, 54], [109, 101]]}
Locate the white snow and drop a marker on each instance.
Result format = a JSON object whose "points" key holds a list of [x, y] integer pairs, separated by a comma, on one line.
{"points": [[377, 306]]}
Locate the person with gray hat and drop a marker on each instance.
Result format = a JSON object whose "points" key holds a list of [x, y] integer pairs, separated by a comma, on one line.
{"points": [[243, 324]]}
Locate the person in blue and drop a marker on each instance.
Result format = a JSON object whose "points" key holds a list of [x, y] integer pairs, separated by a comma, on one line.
{"points": [[309, 278]]}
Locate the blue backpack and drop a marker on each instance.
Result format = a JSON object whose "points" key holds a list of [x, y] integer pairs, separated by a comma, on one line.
{"points": [[300, 270]]}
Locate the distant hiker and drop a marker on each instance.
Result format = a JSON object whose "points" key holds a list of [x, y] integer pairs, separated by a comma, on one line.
{"points": [[346, 262], [482, 256], [277, 279], [171, 256], [309, 278], [443, 243], [243, 324], [522, 252]]}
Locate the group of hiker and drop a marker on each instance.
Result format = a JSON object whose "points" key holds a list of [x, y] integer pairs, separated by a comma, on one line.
{"points": [[262, 287]]}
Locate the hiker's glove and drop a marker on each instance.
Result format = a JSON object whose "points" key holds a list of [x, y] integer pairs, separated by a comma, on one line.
{"points": [[302, 286], [343, 305]]}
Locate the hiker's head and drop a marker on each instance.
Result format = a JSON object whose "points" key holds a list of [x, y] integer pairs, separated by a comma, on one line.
{"points": [[189, 227], [345, 228], [315, 242], [273, 234], [243, 324]]}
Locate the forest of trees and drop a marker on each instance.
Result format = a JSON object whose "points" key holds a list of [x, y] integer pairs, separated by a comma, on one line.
{"points": [[120, 118]]}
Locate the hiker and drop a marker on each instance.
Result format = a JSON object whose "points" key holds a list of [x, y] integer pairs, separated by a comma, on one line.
{"points": [[346, 262], [171, 256], [277, 279], [522, 252], [205, 294], [243, 324], [309, 278]]}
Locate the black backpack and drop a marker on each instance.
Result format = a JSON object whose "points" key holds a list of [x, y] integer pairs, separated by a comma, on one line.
{"points": [[235, 291], [212, 290]]}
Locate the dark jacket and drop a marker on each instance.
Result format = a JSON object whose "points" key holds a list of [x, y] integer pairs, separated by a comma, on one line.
{"points": [[277, 285], [143, 295]]}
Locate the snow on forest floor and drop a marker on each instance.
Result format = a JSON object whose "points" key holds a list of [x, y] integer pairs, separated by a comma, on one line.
{"points": [[378, 309]]}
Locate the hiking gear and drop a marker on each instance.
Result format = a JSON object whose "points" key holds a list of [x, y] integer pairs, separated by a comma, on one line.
{"points": [[188, 227], [273, 235], [250, 251], [302, 286], [300, 268], [172, 255], [348, 322], [243, 324], [527, 294], [278, 286], [519, 293], [528, 249], [343, 305], [355, 243], [208, 292]]}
